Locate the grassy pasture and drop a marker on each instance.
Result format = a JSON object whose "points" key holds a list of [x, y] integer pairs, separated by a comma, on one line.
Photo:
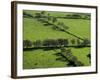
{"points": [[47, 59], [34, 30]]}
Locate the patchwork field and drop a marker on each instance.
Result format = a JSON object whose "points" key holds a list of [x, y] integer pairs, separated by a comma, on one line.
{"points": [[34, 30]]}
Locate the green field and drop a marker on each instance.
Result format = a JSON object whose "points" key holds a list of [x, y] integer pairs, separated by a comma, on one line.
{"points": [[35, 30]]}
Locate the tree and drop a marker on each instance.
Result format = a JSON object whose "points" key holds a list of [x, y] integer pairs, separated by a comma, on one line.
{"points": [[54, 19], [27, 43], [62, 26], [49, 43], [87, 16], [86, 42], [37, 15], [60, 41], [49, 17], [37, 43], [73, 41], [78, 42], [76, 16], [27, 15], [65, 42], [43, 14]]}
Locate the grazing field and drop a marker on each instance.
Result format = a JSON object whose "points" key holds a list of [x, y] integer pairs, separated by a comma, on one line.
{"points": [[48, 59], [34, 30]]}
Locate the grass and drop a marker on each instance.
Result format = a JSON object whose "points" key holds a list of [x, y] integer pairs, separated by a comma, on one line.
{"points": [[47, 59], [78, 27], [41, 59], [35, 30]]}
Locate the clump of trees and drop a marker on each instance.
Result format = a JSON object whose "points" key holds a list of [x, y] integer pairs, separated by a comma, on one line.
{"points": [[73, 61], [79, 16], [56, 43], [85, 42], [37, 43], [27, 43], [26, 15], [45, 17], [45, 43]]}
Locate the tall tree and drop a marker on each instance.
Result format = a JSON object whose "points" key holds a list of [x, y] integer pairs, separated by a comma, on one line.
{"points": [[37, 43], [86, 42], [27, 43], [54, 19], [73, 41]]}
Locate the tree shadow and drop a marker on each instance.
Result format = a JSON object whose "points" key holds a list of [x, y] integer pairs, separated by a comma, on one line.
{"points": [[61, 59], [71, 64]]}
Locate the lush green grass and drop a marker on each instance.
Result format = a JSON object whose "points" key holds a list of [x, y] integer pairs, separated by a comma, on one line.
{"points": [[78, 27], [41, 59], [47, 59], [35, 30], [81, 54]]}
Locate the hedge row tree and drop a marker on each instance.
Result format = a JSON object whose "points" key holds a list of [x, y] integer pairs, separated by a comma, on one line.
{"points": [[73, 16], [55, 43], [78, 16], [37, 43], [46, 16], [72, 59], [63, 42], [37, 15], [86, 42], [78, 42], [27, 44], [50, 43], [25, 14], [54, 19], [73, 41]]}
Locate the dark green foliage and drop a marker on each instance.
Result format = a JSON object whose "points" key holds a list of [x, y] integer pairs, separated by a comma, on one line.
{"points": [[54, 19], [63, 42], [37, 15], [74, 16], [73, 41], [43, 12], [27, 15], [50, 43], [37, 43], [86, 42], [73, 61], [79, 16], [27, 43], [78, 42]]}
